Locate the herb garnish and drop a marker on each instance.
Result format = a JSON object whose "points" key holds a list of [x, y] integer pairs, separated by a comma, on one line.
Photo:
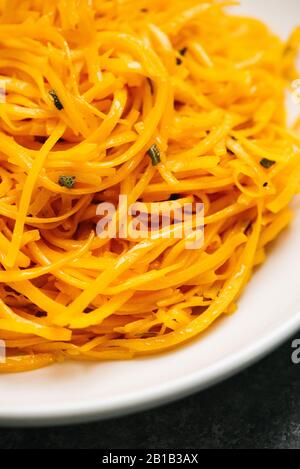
{"points": [[40, 314], [182, 52], [154, 154], [266, 163], [175, 197], [58, 104], [67, 181]]}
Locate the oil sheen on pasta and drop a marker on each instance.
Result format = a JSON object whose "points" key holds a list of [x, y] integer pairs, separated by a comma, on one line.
{"points": [[90, 87]]}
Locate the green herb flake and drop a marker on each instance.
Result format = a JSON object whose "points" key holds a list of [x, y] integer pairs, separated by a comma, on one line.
{"points": [[40, 314], [266, 163], [67, 181], [154, 154], [174, 197], [58, 104], [183, 51]]}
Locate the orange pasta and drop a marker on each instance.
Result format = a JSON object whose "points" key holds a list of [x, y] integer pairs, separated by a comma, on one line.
{"points": [[154, 100]]}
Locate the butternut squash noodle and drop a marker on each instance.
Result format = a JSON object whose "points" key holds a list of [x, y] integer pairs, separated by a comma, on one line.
{"points": [[88, 88]]}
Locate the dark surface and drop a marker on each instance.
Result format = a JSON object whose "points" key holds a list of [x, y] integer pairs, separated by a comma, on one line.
{"points": [[260, 408]]}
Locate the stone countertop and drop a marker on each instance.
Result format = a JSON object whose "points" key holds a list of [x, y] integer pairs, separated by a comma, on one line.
{"points": [[259, 408]]}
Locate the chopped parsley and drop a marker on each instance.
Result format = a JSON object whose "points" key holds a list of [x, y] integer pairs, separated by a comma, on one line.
{"points": [[58, 104], [154, 154], [40, 314], [67, 181], [266, 163], [175, 197], [182, 52]]}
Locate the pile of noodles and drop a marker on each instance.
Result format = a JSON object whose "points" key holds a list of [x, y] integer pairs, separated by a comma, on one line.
{"points": [[88, 87]]}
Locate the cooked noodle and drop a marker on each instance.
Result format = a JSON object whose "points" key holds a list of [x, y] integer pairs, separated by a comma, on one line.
{"points": [[90, 87]]}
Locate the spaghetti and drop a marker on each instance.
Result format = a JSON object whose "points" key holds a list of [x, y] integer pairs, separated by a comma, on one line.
{"points": [[152, 99]]}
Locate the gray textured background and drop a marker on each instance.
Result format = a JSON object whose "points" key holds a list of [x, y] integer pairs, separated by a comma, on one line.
{"points": [[260, 408]]}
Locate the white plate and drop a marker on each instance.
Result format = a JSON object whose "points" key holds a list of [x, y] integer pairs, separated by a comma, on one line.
{"points": [[269, 312]]}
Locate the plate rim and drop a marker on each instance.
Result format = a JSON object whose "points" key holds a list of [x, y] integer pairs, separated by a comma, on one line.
{"points": [[135, 401], [97, 409]]}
